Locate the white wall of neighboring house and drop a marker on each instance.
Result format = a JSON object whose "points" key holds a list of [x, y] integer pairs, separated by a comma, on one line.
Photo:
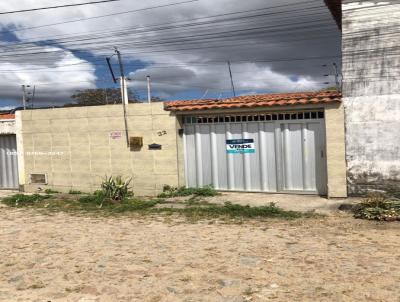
{"points": [[371, 93], [7, 126]]}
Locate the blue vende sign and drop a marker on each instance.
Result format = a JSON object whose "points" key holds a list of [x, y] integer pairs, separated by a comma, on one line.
{"points": [[240, 146]]}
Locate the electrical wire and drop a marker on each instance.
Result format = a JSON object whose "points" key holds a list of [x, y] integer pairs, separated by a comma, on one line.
{"points": [[56, 7]]}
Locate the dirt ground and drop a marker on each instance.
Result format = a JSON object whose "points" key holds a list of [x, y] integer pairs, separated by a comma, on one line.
{"points": [[290, 202], [69, 258]]}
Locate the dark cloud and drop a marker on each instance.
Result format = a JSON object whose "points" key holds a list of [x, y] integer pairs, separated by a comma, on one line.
{"points": [[195, 62]]}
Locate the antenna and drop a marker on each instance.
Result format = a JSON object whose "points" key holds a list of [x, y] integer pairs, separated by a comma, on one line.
{"points": [[205, 94], [33, 95], [24, 96], [149, 89], [232, 83], [336, 69]]}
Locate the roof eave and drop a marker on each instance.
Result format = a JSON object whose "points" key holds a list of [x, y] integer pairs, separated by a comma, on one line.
{"points": [[335, 6]]}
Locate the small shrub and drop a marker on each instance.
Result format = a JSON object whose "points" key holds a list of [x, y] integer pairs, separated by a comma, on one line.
{"points": [[116, 188], [97, 198], [379, 207], [169, 192], [393, 191], [73, 192], [21, 200], [50, 191]]}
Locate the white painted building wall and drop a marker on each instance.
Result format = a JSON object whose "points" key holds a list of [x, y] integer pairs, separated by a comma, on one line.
{"points": [[7, 127], [371, 91]]}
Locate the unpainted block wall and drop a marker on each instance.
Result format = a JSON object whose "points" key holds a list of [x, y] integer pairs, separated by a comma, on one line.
{"points": [[371, 90], [74, 148], [335, 151]]}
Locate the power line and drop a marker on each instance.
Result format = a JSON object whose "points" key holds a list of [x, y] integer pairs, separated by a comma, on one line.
{"points": [[98, 17], [180, 21], [55, 7]]}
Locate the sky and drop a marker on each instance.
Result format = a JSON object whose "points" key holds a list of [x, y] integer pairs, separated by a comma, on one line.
{"points": [[183, 45]]}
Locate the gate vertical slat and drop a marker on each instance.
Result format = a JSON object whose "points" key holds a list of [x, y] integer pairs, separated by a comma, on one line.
{"points": [[221, 155], [2, 162], [190, 156], [214, 158], [263, 154], [306, 151], [238, 161], [231, 170], [246, 161], [198, 163], [8, 162]]}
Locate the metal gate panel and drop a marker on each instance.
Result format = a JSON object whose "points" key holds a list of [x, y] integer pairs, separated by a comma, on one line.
{"points": [[203, 155], [287, 158], [252, 160], [321, 177], [190, 156], [236, 132], [302, 146], [207, 162], [221, 180], [292, 157], [8, 162]]}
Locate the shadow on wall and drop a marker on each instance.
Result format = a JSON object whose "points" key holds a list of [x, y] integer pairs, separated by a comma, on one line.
{"points": [[364, 183]]}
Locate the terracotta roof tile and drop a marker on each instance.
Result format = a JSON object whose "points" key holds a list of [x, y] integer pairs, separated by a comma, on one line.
{"points": [[7, 116], [254, 101]]}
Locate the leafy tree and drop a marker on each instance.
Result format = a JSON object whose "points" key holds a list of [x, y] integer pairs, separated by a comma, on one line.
{"points": [[156, 99], [92, 97]]}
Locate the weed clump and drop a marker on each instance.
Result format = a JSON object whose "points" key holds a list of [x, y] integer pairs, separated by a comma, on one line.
{"points": [[234, 211], [74, 192], [21, 200], [51, 191], [379, 207], [169, 192]]}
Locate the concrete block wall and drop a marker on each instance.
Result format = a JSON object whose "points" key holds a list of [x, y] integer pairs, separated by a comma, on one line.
{"points": [[335, 151], [371, 94], [74, 147]]}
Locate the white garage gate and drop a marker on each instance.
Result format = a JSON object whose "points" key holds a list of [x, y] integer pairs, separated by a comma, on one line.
{"points": [[8, 162], [272, 152]]}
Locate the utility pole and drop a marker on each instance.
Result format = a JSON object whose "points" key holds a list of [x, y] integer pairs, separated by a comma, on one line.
{"points": [[33, 96], [231, 76], [149, 89], [124, 89], [24, 96]]}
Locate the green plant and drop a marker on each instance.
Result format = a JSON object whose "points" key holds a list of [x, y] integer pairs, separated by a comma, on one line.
{"points": [[73, 192], [21, 200], [169, 192], [393, 191], [194, 210], [50, 191], [116, 188], [229, 210], [98, 198], [380, 207]]}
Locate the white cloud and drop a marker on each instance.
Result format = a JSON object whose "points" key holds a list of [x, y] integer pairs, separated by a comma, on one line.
{"points": [[173, 72], [55, 81]]}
